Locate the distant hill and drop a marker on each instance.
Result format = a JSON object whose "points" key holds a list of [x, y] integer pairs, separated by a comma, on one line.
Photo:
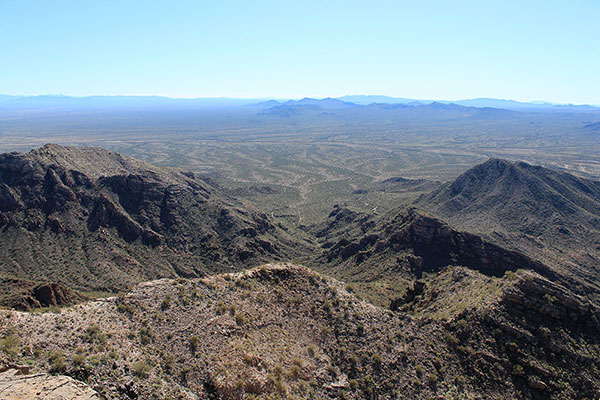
{"points": [[478, 102], [91, 219], [383, 111], [552, 215], [594, 126]]}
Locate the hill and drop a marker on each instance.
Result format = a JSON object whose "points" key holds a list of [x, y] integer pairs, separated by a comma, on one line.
{"points": [[551, 215], [93, 220], [282, 331], [382, 256]]}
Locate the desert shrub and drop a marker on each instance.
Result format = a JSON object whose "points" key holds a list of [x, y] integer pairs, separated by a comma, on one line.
{"points": [[510, 275], [452, 339], [294, 372], [353, 359], [56, 359], [353, 384], [360, 329], [93, 334], [194, 343], [518, 370], [467, 350], [244, 284], [419, 370], [220, 308], [126, 308], [141, 368], [512, 346], [311, 350], [276, 381], [332, 370], [432, 379], [145, 335], [79, 360], [241, 320], [549, 298], [166, 303], [10, 345]]}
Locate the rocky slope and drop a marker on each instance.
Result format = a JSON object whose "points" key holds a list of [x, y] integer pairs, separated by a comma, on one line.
{"points": [[552, 216], [382, 256], [94, 220], [211, 338]]}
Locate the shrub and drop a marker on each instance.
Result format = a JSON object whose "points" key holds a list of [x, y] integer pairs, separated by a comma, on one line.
{"points": [[145, 335], [294, 372], [377, 360], [432, 379], [166, 303], [57, 362], [241, 320], [10, 345], [141, 368], [512, 346], [518, 370], [93, 334], [79, 360], [126, 308], [194, 343], [220, 308], [360, 329]]}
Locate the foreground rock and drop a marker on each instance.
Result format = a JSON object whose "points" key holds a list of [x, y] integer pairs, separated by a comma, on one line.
{"points": [[14, 385]]}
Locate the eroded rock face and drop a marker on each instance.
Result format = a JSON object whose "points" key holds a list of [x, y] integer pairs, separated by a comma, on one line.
{"points": [[111, 221], [432, 245], [31, 295], [14, 385]]}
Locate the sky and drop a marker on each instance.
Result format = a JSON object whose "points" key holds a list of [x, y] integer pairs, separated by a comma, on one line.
{"points": [[447, 50]]}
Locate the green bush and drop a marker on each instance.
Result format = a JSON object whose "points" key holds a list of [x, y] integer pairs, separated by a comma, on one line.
{"points": [[194, 343], [518, 370], [10, 345], [141, 368], [57, 362], [93, 334]]}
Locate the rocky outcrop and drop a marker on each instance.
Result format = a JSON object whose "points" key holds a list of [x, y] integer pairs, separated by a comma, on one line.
{"points": [[431, 243], [14, 385], [31, 295]]}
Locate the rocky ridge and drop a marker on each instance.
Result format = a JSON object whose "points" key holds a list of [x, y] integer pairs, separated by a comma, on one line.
{"points": [[99, 221]]}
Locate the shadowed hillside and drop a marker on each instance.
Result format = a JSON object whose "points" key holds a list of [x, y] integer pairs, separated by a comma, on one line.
{"points": [[550, 215], [92, 219]]}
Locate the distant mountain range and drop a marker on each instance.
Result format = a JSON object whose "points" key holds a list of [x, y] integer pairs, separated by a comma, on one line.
{"points": [[60, 102]]}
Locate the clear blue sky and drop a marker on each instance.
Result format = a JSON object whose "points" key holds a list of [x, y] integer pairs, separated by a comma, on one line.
{"points": [[523, 50]]}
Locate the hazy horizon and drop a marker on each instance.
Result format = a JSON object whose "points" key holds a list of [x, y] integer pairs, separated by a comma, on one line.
{"points": [[267, 98]]}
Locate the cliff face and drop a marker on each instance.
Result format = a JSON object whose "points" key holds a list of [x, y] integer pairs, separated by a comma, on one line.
{"points": [[97, 220]]}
